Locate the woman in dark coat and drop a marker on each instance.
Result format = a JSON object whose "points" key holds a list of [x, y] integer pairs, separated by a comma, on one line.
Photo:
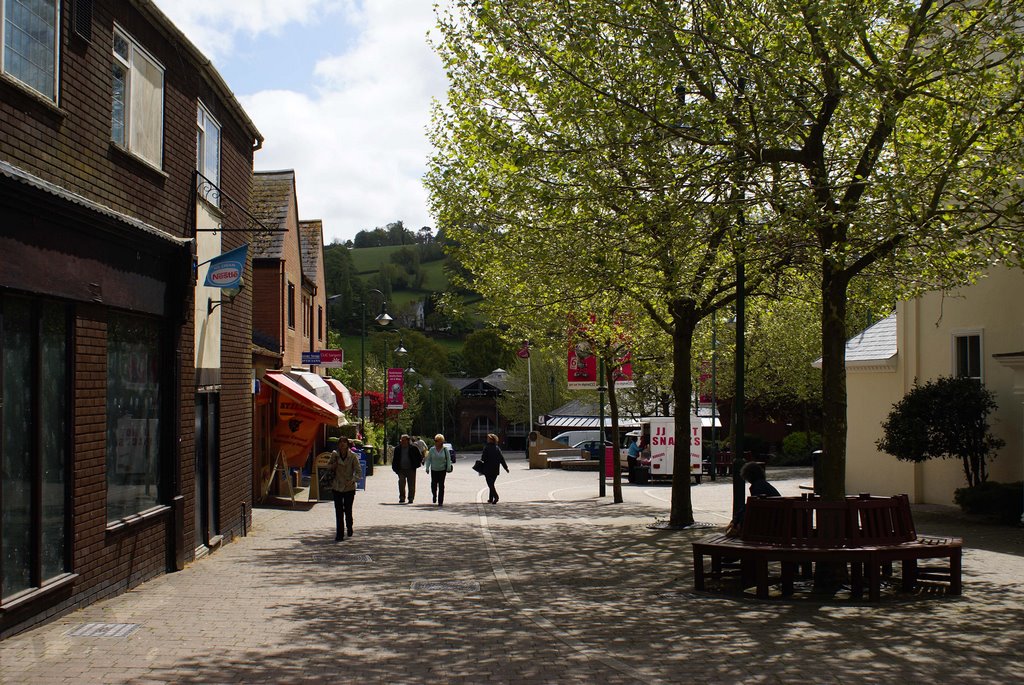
{"points": [[493, 461]]}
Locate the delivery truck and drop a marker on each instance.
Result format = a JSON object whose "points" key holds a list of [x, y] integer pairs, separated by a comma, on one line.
{"points": [[659, 440]]}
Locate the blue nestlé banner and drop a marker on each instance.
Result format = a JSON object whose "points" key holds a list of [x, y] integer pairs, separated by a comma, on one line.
{"points": [[226, 270]]}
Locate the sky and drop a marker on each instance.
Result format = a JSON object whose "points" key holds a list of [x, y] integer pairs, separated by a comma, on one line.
{"points": [[340, 91]]}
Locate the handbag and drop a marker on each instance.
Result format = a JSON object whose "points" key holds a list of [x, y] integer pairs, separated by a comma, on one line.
{"points": [[478, 466]]}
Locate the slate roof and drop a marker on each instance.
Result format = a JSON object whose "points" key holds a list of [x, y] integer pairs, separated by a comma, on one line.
{"points": [[311, 246], [273, 193], [875, 346]]}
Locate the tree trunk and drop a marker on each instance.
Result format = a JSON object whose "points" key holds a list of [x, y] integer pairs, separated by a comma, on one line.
{"points": [[684, 322], [832, 469], [613, 407]]}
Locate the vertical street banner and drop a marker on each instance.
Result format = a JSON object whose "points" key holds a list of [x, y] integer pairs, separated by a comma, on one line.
{"points": [[396, 389], [623, 373], [582, 364]]}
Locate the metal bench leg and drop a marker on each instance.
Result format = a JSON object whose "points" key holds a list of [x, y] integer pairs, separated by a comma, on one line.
{"points": [[698, 570], [874, 578], [955, 586], [856, 579], [909, 574], [761, 573], [788, 571]]}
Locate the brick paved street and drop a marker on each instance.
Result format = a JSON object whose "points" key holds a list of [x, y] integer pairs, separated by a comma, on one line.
{"points": [[550, 585]]}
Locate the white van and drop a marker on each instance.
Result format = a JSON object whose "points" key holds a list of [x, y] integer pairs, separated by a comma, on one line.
{"points": [[570, 438]]}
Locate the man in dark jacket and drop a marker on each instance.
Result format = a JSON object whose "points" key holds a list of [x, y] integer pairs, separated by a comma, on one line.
{"points": [[406, 461], [753, 473]]}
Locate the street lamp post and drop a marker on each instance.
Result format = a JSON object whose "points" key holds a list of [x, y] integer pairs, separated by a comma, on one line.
{"points": [[382, 319]]}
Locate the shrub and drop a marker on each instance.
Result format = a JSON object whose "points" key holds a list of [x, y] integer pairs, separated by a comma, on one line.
{"points": [[1000, 501], [797, 448], [945, 418]]}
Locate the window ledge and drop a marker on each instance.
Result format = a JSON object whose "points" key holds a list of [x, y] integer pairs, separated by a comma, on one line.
{"points": [[35, 96], [141, 161], [50, 587], [130, 523]]}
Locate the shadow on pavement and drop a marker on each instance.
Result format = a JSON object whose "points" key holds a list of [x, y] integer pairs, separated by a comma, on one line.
{"points": [[561, 600]]}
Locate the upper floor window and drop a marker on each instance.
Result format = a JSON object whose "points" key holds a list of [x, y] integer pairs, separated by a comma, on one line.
{"points": [[30, 44], [319, 322], [137, 118], [967, 355], [291, 306], [208, 150]]}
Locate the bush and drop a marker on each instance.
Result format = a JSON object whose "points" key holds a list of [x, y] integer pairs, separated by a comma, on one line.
{"points": [[1000, 501], [797, 448]]}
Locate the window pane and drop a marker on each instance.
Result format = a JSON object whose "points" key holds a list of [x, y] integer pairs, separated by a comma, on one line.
{"points": [[211, 164], [968, 356], [53, 401], [120, 98], [30, 43], [133, 415], [16, 512], [145, 131]]}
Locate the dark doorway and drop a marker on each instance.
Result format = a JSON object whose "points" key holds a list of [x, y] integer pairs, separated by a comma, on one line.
{"points": [[207, 467]]}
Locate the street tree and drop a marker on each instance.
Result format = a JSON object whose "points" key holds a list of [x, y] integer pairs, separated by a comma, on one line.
{"points": [[884, 137], [560, 178]]}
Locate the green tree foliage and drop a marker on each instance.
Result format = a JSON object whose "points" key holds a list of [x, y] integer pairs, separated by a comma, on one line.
{"points": [[946, 418], [868, 140], [547, 371], [394, 233], [484, 351]]}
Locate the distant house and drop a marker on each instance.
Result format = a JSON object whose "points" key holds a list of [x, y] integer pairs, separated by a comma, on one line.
{"points": [[477, 414], [975, 331]]}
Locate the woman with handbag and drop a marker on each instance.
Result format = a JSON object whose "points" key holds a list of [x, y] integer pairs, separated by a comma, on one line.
{"points": [[347, 472], [492, 462], [439, 465]]}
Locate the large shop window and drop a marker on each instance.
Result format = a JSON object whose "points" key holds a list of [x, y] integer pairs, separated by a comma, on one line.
{"points": [[137, 118], [133, 415], [481, 427], [34, 448], [30, 44]]}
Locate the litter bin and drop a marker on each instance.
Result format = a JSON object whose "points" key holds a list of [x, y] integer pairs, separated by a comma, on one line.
{"points": [[816, 457], [363, 461], [366, 459]]}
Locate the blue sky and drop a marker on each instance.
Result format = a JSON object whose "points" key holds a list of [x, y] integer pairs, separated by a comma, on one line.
{"points": [[340, 90]]}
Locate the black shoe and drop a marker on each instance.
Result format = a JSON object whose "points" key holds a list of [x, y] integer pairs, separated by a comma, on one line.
{"points": [[339, 538], [401, 501], [410, 501], [350, 532]]}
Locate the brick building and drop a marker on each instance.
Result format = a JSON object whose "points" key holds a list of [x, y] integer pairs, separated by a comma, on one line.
{"points": [[289, 305], [125, 387]]}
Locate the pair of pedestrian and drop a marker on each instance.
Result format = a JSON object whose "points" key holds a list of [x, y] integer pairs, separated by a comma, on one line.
{"points": [[344, 463], [407, 460], [439, 465]]}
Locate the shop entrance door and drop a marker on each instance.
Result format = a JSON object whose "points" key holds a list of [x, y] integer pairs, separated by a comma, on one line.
{"points": [[207, 467]]}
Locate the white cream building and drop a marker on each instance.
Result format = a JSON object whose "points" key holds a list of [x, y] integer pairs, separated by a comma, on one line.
{"points": [[977, 331]]}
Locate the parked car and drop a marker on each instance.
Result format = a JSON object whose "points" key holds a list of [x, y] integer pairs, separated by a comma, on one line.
{"points": [[592, 446], [572, 437], [451, 451]]}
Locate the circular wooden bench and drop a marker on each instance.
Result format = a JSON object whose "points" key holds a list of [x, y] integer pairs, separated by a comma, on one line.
{"points": [[869, 533]]}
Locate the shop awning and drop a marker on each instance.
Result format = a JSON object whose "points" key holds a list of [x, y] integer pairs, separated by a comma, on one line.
{"points": [[341, 392], [323, 411]]}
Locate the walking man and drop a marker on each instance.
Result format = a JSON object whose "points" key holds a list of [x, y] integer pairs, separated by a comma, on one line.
{"points": [[407, 460]]}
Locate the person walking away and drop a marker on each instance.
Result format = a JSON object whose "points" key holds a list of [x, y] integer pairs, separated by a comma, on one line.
{"points": [[493, 461], [347, 472], [439, 465], [408, 459], [753, 473]]}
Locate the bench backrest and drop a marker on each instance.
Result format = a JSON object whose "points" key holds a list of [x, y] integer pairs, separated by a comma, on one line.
{"points": [[811, 522]]}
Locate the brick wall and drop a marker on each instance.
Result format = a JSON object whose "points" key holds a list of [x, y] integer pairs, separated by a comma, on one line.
{"points": [[70, 146]]}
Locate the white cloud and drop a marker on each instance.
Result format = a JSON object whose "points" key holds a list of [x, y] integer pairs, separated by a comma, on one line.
{"points": [[358, 142]]}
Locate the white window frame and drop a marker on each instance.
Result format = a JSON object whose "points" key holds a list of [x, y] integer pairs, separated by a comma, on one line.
{"points": [[960, 334], [204, 122], [136, 55], [56, 52]]}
